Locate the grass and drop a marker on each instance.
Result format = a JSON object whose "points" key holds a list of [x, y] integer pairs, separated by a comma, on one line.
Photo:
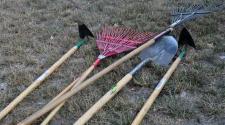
{"points": [[194, 95]]}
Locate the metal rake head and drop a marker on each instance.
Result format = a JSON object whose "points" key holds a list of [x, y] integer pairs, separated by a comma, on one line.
{"points": [[184, 14]]}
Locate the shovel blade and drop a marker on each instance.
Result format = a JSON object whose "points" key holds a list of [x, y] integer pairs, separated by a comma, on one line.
{"points": [[162, 52]]}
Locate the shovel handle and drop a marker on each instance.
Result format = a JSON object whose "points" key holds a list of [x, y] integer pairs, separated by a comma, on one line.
{"points": [[101, 102], [155, 93], [36, 83], [74, 84]]}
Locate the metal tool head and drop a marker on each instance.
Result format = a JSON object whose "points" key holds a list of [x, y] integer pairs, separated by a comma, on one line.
{"points": [[184, 14], [186, 38], [162, 52], [83, 30]]}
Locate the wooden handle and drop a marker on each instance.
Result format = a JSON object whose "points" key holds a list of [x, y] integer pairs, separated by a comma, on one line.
{"points": [[54, 111], [101, 102], [52, 114], [84, 76], [71, 86], [90, 81], [155, 93], [36, 83]]}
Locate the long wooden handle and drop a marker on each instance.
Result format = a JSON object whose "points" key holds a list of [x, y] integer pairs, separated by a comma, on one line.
{"points": [[52, 114], [36, 83], [69, 87], [101, 102], [54, 111], [155, 93], [91, 80]]}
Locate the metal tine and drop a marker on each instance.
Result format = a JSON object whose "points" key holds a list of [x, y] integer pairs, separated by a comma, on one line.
{"points": [[200, 9], [220, 5], [187, 11], [194, 11]]}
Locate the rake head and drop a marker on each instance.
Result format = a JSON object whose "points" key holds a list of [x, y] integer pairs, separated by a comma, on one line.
{"points": [[184, 14], [115, 40]]}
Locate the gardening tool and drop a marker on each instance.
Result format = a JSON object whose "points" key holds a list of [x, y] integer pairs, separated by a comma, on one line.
{"points": [[176, 22], [160, 53], [110, 41], [185, 38], [84, 33]]}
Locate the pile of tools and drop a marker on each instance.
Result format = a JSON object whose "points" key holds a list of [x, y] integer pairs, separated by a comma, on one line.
{"points": [[159, 49]]}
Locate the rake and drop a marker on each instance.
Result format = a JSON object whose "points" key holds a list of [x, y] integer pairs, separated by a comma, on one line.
{"points": [[176, 22], [110, 41], [185, 39], [84, 32]]}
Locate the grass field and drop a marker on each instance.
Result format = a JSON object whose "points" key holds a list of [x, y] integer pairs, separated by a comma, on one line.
{"points": [[35, 33]]}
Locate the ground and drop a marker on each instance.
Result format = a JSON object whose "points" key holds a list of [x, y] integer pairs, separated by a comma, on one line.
{"points": [[35, 33]]}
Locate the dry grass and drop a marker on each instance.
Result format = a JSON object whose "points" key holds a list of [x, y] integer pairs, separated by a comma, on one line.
{"points": [[194, 95]]}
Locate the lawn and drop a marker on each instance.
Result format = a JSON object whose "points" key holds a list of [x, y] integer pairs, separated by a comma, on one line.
{"points": [[35, 33]]}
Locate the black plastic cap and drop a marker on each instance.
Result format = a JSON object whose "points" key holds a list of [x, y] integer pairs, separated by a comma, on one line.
{"points": [[84, 31], [186, 38]]}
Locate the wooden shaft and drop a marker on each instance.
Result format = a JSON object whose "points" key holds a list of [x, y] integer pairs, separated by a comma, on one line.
{"points": [[36, 83], [54, 111], [71, 86], [65, 90], [155, 93], [52, 114], [84, 76], [90, 81], [101, 102]]}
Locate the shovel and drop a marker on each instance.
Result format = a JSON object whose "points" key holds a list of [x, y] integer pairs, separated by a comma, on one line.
{"points": [[84, 32], [185, 38], [160, 53]]}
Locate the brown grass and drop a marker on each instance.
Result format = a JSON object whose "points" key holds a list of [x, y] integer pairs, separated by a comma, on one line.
{"points": [[194, 95]]}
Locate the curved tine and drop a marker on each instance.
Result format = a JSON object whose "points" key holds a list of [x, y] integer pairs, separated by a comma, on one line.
{"points": [[197, 7], [217, 7], [115, 36], [138, 37], [131, 39], [143, 37]]}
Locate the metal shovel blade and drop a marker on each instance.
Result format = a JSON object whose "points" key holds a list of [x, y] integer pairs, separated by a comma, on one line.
{"points": [[162, 52]]}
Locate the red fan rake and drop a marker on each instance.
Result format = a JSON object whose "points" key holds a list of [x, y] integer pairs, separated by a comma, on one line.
{"points": [[115, 40]]}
